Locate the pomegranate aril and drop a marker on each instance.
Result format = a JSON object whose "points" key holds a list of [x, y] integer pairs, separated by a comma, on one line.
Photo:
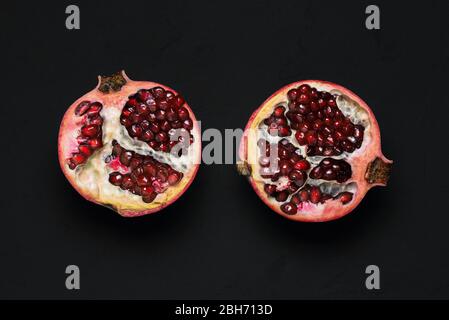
{"points": [[149, 198], [164, 147], [183, 113], [295, 199], [127, 182], [332, 169], [78, 158], [82, 108], [85, 149], [304, 88], [303, 195], [311, 138], [281, 196], [115, 178], [135, 131], [279, 111], [174, 178], [165, 126], [146, 191], [289, 208], [125, 157], [143, 109], [158, 92], [143, 95], [187, 124], [125, 121], [315, 195], [345, 197], [302, 165], [292, 94], [154, 127], [94, 108], [171, 114], [284, 167], [303, 109], [135, 161], [149, 169], [270, 189], [143, 180], [161, 137], [95, 143], [90, 130]]}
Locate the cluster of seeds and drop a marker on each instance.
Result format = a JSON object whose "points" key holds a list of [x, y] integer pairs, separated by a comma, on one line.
{"points": [[296, 169], [332, 169], [155, 116], [320, 124], [90, 137], [290, 164], [147, 177], [314, 195], [317, 123]]}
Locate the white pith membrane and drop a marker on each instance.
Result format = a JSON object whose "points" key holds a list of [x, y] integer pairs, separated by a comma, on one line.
{"points": [[351, 109], [91, 178]]}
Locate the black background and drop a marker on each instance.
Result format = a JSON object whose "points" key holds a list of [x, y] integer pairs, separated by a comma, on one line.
{"points": [[219, 241]]}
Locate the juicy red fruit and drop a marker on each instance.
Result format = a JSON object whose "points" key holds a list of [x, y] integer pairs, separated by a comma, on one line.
{"points": [[153, 116], [318, 151], [146, 177], [117, 145], [90, 133], [321, 125]]}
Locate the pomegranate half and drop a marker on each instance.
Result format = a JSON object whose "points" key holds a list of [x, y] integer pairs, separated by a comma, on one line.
{"points": [[312, 150], [132, 146]]}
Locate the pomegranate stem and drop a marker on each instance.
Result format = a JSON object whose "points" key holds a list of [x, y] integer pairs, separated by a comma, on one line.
{"points": [[243, 168], [378, 172], [113, 83]]}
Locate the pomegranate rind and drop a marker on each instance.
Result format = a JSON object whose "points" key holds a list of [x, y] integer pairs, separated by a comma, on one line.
{"points": [[331, 209], [67, 144]]}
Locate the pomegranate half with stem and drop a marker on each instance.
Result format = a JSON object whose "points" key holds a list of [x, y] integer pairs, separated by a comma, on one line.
{"points": [[133, 146], [312, 150]]}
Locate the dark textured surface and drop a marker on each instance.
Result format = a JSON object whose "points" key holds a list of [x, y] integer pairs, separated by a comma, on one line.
{"points": [[219, 240]]}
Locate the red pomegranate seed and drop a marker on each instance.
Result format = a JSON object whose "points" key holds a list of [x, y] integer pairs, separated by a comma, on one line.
{"points": [[179, 101], [127, 182], [135, 131], [147, 135], [183, 113], [125, 157], [303, 195], [292, 94], [95, 143], [345, 197], [281, 196], [289, 208], [304, 88], [94, 108], [174, 178], [270, 189], [315, 195], [115, 178], [279, 111], [85, 149], [81, 108], [90, 130], [187, 124], [146, 191], [302, 165], [78, 158], [143, 180]]}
